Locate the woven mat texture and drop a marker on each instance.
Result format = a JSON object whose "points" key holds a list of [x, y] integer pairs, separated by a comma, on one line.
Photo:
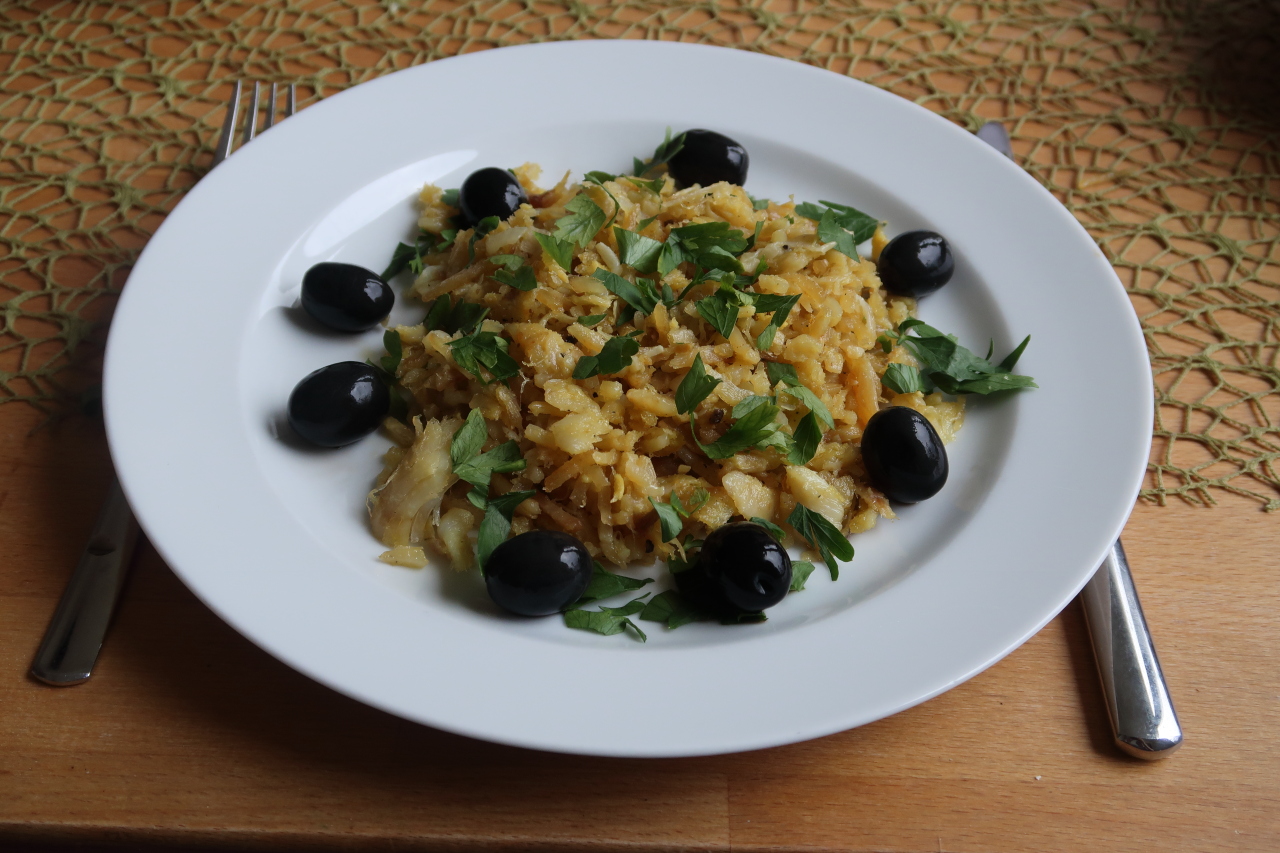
{"points": [[1148, 119]]}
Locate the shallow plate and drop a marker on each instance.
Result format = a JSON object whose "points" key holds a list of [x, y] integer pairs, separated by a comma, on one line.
{"points": [[207, 344]]}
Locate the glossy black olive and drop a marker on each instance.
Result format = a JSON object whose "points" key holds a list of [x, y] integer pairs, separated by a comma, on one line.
{"points": [[708, 157], [338, 404], [741, 569], [915, 263], [346, 297], [903, 454], [538, 573], [490, 192]]}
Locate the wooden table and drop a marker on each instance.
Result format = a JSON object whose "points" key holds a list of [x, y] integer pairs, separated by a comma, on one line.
{"points": [[188, 734]]}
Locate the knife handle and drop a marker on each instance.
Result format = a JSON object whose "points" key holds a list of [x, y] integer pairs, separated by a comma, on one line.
{"points": [[1142, 716], [71, 643]]}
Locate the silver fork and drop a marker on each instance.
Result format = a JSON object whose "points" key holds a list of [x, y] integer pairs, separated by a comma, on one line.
{"points": [[74, 637], [1143, 722]]}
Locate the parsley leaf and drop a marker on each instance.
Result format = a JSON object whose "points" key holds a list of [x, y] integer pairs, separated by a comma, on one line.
{"points": [[781, 307], [582, 223], [848, 218], [497, 523], [484, 349], [448, 316], [814, 528], [637, 251], [450, 197], [606, 584], [662, 154], [476, 468], [786, 374], [805, 441], [600, 177], [641, 296], [483, 227], [654, 186], [590, 320], [514, 273], [395, 351], [697, 502], [829, 231], [695, 386], [668, 519], [758, 203], [720, 309], [400, 260], [774, 530], [672, 608], [903, 379], [607, 620], [711, 245], [561, 251], [955, 369], [613, 358], [756, 426], [800, 571]]}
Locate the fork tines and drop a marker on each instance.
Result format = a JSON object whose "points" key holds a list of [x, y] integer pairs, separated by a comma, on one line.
{"points": [[227, 139]]}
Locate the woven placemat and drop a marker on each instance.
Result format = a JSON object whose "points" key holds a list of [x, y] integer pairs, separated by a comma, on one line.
{"points": [[1147, 119]]}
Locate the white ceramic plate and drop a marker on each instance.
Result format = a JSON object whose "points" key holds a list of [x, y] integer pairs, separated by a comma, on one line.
{"points": [[206, 346]]}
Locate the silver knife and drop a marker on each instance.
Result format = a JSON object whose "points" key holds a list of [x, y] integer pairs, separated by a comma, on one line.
{"points": [[1143, 721]]}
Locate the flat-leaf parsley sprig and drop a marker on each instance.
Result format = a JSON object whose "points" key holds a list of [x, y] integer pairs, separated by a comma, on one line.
{"points": [[947, 365]]}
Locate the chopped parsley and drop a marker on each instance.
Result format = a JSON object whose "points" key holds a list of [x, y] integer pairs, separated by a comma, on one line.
{"points": [[951, 367], [695, 386], [395, 351], [758, 203], [814, 528], [781, 307], [580, 225], [842, 216], [497, 523], [720, 309], [514, 272], [673, 609], [642, 296], [800, 571], [561, 251], [669, 148], [671, 515], [654, 186], [606, 584], [452, 317], [903, 379], [607, 620], [756, 426], [590, 320], [710, 245], [481, 352], [476, 468], [613, 358], [637, 251]]}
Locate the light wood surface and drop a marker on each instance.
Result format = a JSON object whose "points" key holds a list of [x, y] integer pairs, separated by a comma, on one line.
{"points": [[190, 735]]}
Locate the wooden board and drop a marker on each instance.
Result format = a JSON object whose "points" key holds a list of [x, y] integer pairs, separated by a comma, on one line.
{"points": [[188, 734]]}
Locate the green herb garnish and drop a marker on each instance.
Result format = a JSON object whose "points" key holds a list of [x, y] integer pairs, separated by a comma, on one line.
{"points": [[800, 571], [395, 351], [903, 379], [951, 367], [485, 350], [662, 154], [450, 317], [820, 533], [476, 468], [849, 218], [497, 523], [756, 426], [561, 251], [642, 296], [781, 307], [590, 320], [580, 226], [515, 272], [695, 386], [607, 620], [637, 251], [673, 609], [613, 358], [606, 584]]}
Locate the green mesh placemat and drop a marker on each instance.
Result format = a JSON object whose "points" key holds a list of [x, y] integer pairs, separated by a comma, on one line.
{"points": [[1138, 115]]}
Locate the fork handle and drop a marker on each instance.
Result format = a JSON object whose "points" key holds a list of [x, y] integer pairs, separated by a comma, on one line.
{"points": [[1142, 717], [70, 646]]}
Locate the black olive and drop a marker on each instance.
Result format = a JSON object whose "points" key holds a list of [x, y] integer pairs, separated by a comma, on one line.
{"points": [[707, 158], [741, 569], [538, 573], [915, 263], [338, 404], [490, 192], [346, 297], [904, 456]]}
